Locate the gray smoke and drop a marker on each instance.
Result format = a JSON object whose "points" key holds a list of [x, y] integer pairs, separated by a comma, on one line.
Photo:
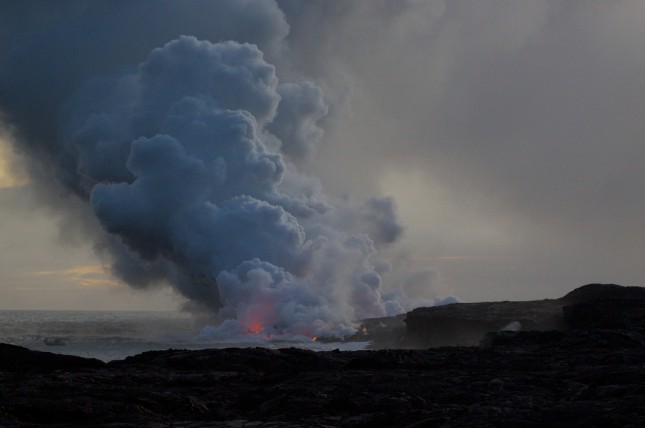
{"points": [[510, 133], [188, 162], [512, 130]]}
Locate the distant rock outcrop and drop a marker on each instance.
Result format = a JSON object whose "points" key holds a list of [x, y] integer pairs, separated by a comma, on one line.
{"points": [[18, 359], [591, 306], [464, 324], [605, 306], [594, 292]]}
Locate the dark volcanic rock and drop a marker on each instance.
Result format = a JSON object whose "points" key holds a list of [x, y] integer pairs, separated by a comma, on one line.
{"points": [[606, 306], [18, 359], [590, 373], [612, 314], [464, 324], [594, 292], [591, 306], [533, 379]]}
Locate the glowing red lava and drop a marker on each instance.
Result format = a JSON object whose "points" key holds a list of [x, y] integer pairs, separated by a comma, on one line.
{"points": [[255, 328]]}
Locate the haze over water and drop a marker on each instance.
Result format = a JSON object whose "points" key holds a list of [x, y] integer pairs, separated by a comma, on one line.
{"points": [[112, 335]]}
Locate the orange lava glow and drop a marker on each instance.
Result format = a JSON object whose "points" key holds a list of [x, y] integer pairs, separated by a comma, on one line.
{"points": [[314, 338], [256, 327]]}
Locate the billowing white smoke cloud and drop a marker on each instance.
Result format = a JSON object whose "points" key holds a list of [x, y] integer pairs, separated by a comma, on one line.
{"points": [[174, 158], [509, 132], [296, 125], [189, 168]]}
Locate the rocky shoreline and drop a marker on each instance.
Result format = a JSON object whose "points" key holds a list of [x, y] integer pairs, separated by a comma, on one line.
{"points": [[591, 377], [592, 306]]}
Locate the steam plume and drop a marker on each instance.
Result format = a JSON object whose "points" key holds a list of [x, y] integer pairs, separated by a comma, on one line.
{"points": [[189, 162]]}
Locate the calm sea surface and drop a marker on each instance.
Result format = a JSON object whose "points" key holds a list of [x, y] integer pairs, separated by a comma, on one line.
{"points": [[116, 335]]}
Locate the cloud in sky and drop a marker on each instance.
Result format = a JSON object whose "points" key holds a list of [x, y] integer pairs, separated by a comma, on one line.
{"points": [[178, 178], [503, 129], [69, 275], [82, 276], [510, 134], [10, 174]]}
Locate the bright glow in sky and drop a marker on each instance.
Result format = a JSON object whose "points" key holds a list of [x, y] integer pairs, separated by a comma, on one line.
{"points": [[9, 175], [40, 270]]}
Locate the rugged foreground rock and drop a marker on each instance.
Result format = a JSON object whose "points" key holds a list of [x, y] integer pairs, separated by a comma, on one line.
{"points": [[590, 377], [529, 379]]}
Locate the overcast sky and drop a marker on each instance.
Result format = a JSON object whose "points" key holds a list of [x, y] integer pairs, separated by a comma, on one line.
{"points": [[511, 135]]}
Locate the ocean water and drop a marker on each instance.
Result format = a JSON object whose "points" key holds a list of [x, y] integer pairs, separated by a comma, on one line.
{"points": [[114, 335]]}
